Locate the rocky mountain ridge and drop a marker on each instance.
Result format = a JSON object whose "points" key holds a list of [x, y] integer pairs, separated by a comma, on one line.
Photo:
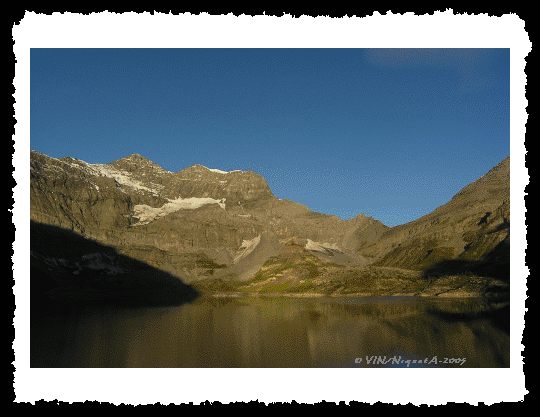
{"points": [[471, 225], [176, 221], [202, 224]]}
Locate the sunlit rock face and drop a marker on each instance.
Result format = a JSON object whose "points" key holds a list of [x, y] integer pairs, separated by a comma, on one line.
{"points": [[196, 220]]}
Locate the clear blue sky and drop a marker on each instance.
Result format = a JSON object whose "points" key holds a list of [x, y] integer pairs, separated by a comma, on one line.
{"points": [[390, 133]]}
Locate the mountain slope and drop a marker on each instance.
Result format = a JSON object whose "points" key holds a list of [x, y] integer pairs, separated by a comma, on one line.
{"points": [[227, 230], [191, 223], [468, 227]]}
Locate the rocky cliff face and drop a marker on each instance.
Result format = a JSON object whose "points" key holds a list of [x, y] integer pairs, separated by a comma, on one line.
{"points": [[69, 194], [201, 223], [189, 223]]}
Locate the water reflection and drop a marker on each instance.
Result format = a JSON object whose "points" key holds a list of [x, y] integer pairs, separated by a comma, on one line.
{"points": [[275, 332]]}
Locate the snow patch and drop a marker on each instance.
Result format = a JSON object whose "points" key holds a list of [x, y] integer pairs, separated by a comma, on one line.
{"points": [[96, 261], [219, 171], [247, 247], [122, 178], [146, 214], [321, 247]]}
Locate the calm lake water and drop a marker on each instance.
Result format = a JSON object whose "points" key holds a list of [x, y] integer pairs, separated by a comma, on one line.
{"points": [[275, 332]]}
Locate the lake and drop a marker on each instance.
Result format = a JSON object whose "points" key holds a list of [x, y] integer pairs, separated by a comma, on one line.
{"points": [[275, 332]]}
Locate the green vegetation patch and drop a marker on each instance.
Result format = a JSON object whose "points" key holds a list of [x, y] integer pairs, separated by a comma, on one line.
{"points": [[436, 256], [263, 275], [273, 260], [276, 287], [216, 285], [303, 287], [361, 281], [313, 270]]}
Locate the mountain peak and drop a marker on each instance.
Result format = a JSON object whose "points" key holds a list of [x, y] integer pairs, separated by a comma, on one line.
{"points": [[198, 180], [495, 182], [135, 162], [360, 218], [136, 156]]}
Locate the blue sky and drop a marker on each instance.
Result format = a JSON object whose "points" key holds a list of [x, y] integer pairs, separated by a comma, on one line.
{"points": [[391, 133]]}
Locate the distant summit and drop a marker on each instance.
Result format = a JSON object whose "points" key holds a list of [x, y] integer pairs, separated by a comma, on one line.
{"points": [[200, 181], [136, 163]]}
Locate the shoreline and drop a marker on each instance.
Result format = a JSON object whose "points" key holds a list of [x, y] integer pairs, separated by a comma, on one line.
{"points": [[449, 296]]}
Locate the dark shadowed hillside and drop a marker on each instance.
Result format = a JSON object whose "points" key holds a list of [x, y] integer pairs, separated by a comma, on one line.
{"points": [[71, 268]]}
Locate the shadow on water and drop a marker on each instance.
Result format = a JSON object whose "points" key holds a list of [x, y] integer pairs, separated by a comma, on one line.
{"points": [[263, 332], [497, 312]]}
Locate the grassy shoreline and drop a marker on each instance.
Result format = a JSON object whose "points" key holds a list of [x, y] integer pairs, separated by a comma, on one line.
{"points": [[442, 287]]}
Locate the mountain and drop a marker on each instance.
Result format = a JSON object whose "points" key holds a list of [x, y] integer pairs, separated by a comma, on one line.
{"points": [[189, 223], [469, 227], [222, 230]]}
